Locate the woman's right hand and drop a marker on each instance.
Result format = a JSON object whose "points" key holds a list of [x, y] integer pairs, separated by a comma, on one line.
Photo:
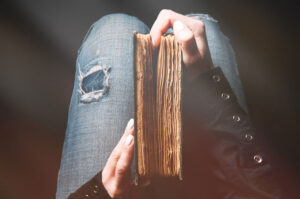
{"points": [[116, 173], [191, 35]]}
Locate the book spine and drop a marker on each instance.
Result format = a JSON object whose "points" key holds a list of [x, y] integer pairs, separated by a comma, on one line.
{"points": [[135, 109], [181, 116]]}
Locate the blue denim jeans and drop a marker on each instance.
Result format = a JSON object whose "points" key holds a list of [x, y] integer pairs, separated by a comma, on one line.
{"points": [[102, 99]]}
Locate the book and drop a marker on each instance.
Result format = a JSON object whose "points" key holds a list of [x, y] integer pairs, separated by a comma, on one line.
{"points": [[158, 107]]}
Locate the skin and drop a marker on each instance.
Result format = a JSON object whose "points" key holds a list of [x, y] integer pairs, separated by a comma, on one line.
{"points": [[190, 33]]}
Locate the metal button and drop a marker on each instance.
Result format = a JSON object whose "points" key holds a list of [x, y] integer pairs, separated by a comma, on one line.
{"points": [[95, 191], [216, 78], [96, 187], [87, 196], [236, 118], [225, 96], [258, 159], [248, 137]]}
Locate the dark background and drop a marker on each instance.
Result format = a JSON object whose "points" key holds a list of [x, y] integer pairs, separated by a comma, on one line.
{"points": [[38, 44]]}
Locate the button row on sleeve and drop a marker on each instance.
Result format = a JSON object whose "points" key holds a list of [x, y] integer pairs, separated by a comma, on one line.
{"points": [[236, 119], [224, 96], [95, 191], [257, 158]]}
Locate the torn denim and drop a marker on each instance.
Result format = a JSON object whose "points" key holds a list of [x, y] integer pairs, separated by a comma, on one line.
{"points": [[94, 84]]}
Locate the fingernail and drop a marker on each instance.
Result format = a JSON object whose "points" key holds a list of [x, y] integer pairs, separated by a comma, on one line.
{"points": [[178, 26], [130, 124], [128, 140]]}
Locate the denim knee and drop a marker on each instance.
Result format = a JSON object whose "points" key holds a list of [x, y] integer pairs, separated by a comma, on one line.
{"points": [[111, 32], [105, 24]]}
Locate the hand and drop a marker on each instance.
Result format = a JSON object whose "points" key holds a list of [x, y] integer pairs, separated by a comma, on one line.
{"points": [[190, 33], [116, 173]]}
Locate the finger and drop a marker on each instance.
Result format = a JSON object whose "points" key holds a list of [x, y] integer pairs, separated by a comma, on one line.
{"points": [[199, 32], [164, 20], [196, 55], [122, 172], [116, 153], [189, 47], [128, 130], [201, 41]]}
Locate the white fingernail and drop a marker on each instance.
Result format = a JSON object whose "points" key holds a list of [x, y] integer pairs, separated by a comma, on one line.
{"points": [[178, 26], [130, 124], [128, 140]]}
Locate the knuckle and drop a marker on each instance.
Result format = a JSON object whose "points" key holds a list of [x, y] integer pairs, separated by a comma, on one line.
{"points": [[114, 156], [199, 27], [200, 24], [189, 38], [165, 13], [121, 169]]}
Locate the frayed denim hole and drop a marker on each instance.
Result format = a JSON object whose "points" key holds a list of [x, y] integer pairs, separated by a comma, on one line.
{"points": [[94, 84], [88, 66]]}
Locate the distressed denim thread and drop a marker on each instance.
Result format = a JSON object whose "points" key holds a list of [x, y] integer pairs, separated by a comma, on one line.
{"points": [[94, 95]]}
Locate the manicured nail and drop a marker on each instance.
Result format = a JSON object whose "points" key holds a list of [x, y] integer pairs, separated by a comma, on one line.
{"points": [[128, 140], [178, 26], [130, 124]]}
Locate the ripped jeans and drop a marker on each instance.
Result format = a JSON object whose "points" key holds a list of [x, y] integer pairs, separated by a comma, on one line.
{"points": [[103, 96]]}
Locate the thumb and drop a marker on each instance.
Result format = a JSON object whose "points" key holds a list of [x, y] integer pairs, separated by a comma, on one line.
{"points": [[186, 38], [123, 164]]}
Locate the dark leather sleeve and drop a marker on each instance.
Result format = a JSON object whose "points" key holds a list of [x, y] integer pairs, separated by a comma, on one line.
{"points": [[240, 159], [93, 189], [241, 164]]}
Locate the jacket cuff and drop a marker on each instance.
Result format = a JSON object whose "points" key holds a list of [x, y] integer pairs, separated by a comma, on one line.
{"points": [[93, 189], [209, 94], [216, 109], [211, 103]]}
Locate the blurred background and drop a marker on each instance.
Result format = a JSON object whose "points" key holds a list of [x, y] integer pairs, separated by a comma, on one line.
{"points": [[39, 40]]}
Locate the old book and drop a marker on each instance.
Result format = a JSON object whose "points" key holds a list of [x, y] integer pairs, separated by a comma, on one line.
{"points": [[158, 107]]}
